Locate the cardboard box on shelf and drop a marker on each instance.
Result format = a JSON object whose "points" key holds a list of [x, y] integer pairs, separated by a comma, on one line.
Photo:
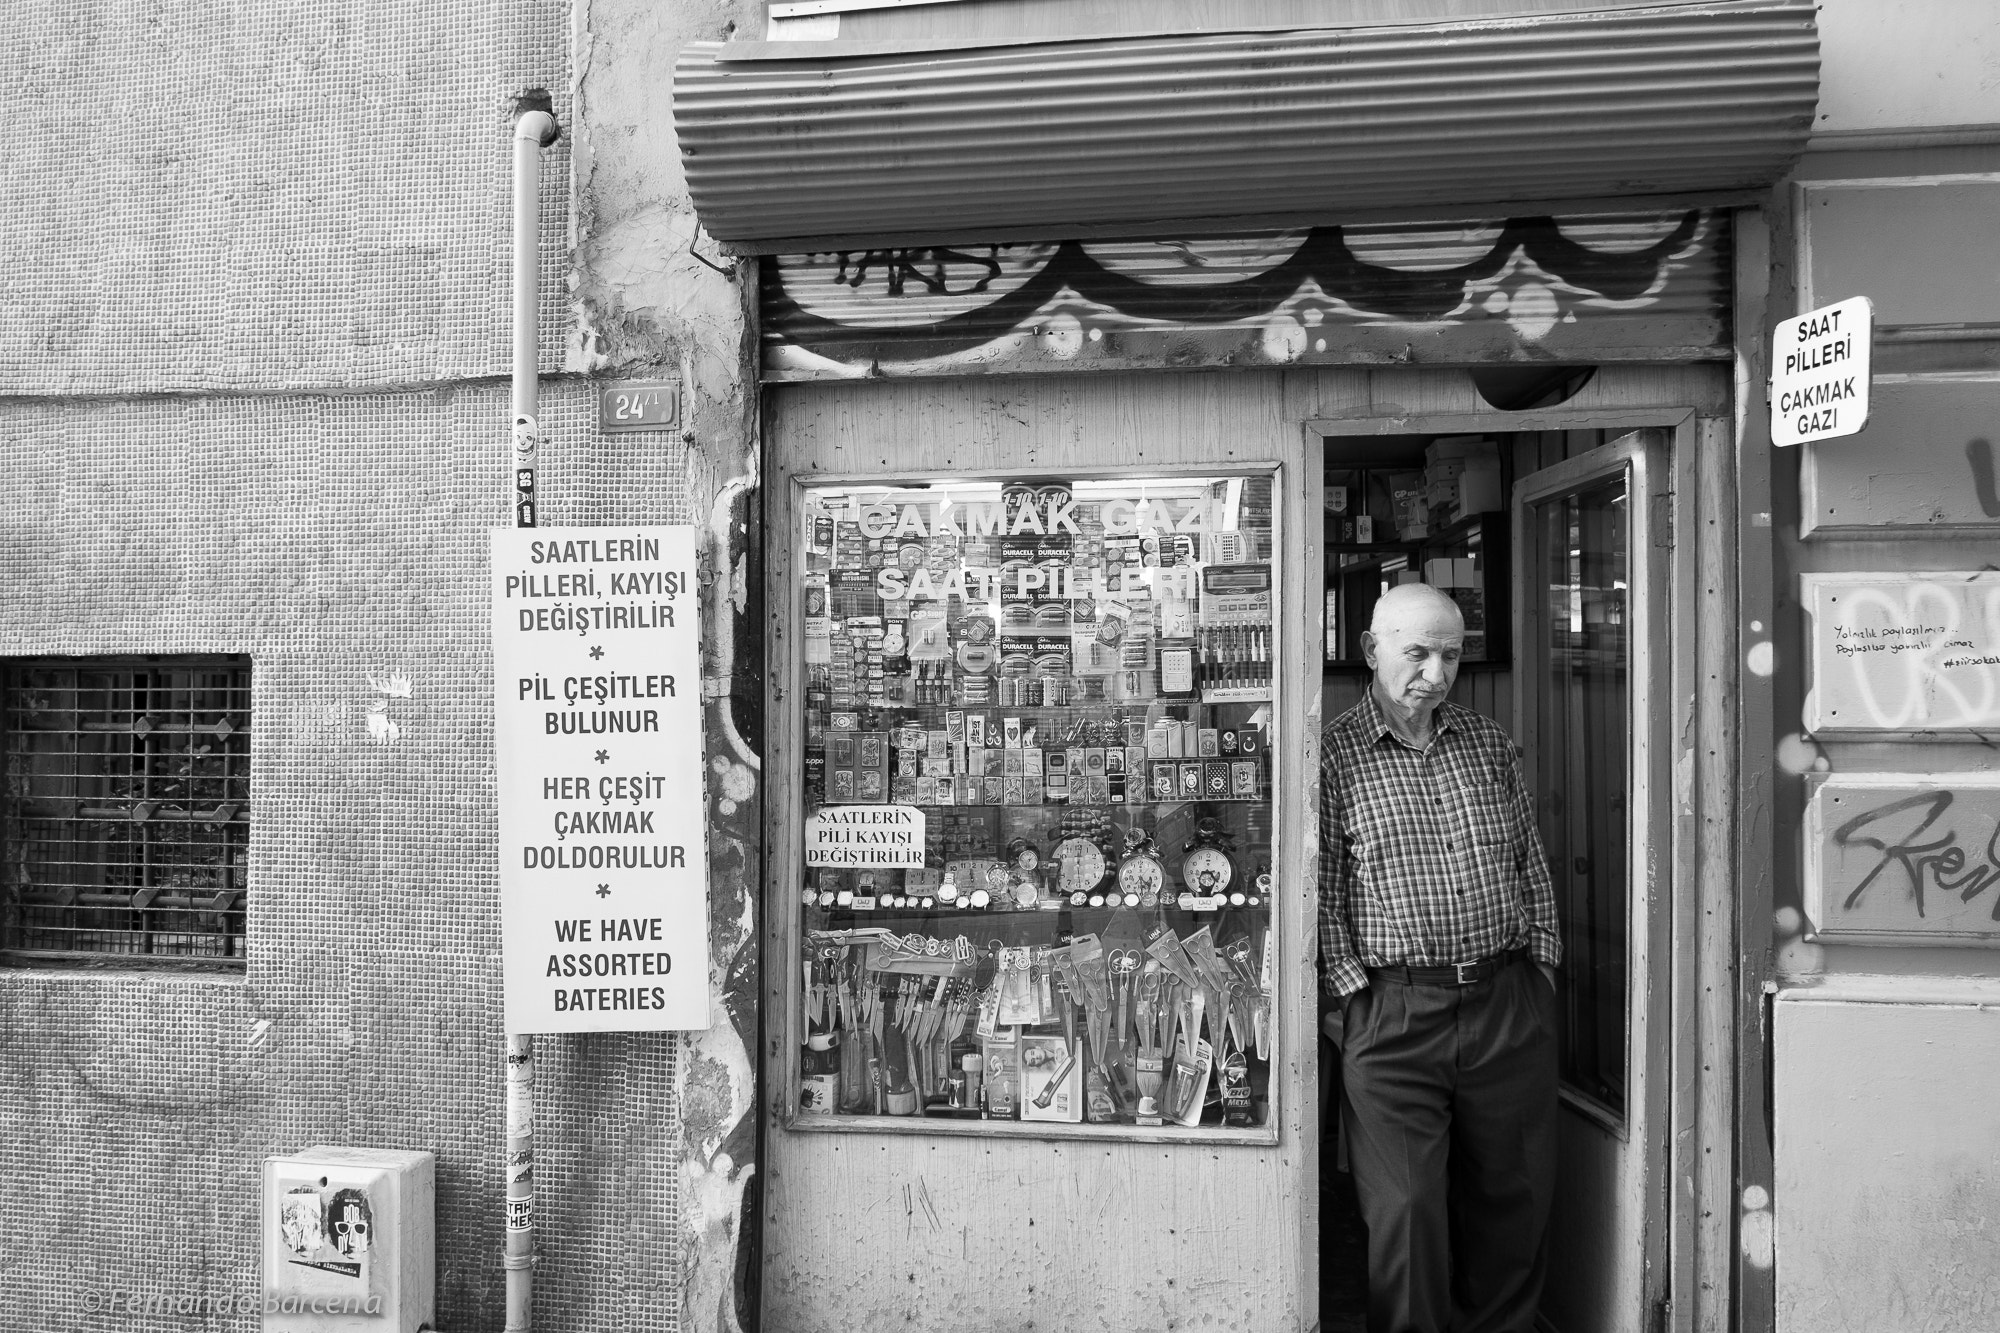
{"points": [[1479, 492], [1411, 515]]}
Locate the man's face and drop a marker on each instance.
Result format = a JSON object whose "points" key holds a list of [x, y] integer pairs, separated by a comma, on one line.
{"points": [[1414, 651]]}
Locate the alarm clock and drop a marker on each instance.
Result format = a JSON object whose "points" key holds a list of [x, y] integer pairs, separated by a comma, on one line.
{"points": [[1141, 874], [1024, 866], [1079, 868], [1206, 867]]}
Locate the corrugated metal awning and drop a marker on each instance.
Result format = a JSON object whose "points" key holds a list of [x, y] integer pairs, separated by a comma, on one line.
{"points": [[787, 150]]}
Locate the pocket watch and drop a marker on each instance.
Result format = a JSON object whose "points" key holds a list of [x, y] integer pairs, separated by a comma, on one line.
{"points": [[1207, 869], [1141, 873], [1079, 868]]}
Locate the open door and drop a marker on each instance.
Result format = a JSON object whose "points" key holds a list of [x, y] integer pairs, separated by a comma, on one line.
{"points": [[1591, 588]]}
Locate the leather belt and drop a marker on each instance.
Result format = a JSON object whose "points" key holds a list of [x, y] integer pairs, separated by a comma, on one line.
{"points": [[1456, 974]]}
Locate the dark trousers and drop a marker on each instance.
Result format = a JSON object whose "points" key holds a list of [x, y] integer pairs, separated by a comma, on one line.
{"points": [[1448, 1101]]}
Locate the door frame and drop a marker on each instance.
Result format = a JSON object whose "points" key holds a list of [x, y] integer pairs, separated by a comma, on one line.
{"points": [[1699, 974]]}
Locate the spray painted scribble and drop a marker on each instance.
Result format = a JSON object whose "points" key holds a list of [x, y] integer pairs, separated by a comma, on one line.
{"points": [[1531, 288], [1893, 857], [1904, 654]]}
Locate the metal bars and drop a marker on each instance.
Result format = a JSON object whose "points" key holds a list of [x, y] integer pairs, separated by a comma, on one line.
{"points": [[126, 815]]}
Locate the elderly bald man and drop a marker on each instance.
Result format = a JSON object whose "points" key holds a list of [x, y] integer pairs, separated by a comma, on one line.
{"points": [[1438, 948]]}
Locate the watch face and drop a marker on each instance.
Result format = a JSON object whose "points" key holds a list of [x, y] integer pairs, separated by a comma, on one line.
{"points": [[1027, 859], [1207, 871], [1141, 875], [1081, 862]]}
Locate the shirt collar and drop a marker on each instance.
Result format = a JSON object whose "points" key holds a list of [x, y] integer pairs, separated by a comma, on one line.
{"points": [[1375, 724]]}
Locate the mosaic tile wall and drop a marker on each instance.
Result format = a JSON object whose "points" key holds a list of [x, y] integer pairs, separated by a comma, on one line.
{"points": [[268, 194], [341, 541]]}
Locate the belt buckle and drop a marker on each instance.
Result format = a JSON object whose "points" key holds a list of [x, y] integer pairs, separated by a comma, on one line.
{"points": [[1466, 973]]}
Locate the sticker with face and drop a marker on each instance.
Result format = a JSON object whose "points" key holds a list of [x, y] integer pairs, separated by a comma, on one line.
{"points": [[299, 1220], [349, 1220]]}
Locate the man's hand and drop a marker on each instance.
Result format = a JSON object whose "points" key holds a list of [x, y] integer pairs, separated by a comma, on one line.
{"points": [[1333, 1022], [1548, 975]]}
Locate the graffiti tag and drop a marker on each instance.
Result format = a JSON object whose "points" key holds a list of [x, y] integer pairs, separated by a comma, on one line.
{"points": [[929, 269], [1942, 858], [1895, 857]]}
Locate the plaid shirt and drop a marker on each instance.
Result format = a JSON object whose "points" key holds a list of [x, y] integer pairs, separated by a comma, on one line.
{"points": [[1427, 857]]}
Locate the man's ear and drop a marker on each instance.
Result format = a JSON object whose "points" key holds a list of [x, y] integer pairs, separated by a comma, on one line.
{"points": [[1368, 645]]}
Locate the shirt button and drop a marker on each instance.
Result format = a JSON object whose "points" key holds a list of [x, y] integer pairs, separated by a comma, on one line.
{"points": [[1465, 939]]}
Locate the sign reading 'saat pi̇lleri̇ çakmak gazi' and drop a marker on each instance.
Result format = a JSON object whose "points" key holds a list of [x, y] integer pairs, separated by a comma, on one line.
{"points": [[597, 706], [1820, 372]]}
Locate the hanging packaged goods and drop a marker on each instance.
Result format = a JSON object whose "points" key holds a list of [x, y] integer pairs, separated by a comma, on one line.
{"points": [[1037, 799]]}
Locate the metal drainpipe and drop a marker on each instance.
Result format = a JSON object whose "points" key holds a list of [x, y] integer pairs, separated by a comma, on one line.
{"points": [[534, 129]]}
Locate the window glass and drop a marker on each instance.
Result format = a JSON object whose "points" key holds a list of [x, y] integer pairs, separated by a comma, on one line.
{"points": [[1584, 744], [1037, 790]]}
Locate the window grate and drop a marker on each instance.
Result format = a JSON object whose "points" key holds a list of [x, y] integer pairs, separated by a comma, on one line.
{"points": [[127, 808]]}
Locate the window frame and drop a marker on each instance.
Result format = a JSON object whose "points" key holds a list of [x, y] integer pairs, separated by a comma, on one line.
{"points": [[163, 917]]}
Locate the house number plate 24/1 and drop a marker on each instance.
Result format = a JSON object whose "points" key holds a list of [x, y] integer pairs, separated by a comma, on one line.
{"points": [[640, 405]]}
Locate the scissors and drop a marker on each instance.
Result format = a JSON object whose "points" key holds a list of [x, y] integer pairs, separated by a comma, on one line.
{"points": [[1124, 971]]}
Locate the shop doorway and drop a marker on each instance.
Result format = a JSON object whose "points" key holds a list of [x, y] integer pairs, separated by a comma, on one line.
{"points": [[1565, 577]]}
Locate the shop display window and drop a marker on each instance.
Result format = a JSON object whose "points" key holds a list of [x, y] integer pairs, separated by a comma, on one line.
{"points": [[1037, 803]]}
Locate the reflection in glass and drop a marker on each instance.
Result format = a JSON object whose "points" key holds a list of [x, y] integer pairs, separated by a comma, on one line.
{"points": [[1583, 747]]}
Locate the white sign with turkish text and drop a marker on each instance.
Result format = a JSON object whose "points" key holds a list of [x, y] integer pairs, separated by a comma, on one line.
{"points": [[598, 752], [1820, 372], [866, 837]]}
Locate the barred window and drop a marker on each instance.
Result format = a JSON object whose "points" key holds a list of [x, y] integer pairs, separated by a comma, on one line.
{"points": [[126, 814]]}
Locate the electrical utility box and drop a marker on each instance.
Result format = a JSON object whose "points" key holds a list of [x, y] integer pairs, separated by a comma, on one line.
{"points": [[348, 1241]]}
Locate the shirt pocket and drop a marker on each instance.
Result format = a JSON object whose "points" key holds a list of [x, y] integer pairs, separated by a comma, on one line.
{"points": [[1489, 812]]}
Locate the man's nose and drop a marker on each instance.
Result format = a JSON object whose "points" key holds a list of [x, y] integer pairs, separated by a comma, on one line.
{"points": [[1434, 670]]}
